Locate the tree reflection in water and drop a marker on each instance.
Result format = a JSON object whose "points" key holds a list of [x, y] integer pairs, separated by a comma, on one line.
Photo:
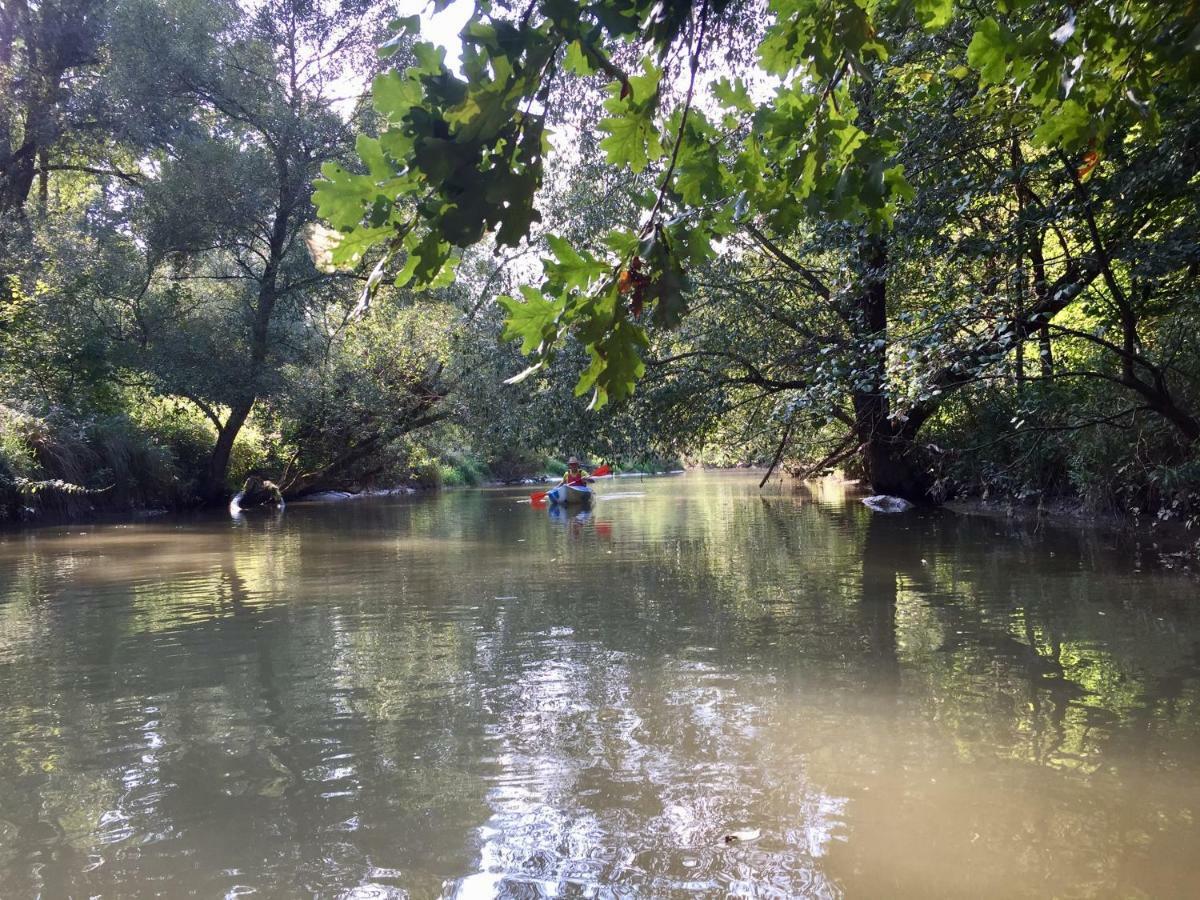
{"points": [[457, 695]]}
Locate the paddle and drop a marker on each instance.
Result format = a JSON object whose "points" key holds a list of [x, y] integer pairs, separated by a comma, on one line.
{"points": [[539, 496]]}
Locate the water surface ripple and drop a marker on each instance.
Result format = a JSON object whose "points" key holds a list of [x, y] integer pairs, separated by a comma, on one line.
{"points": [[698, 689]]}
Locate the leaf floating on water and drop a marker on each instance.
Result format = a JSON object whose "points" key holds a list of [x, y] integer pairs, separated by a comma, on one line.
{"points": [[746, 834], [275, 788]]}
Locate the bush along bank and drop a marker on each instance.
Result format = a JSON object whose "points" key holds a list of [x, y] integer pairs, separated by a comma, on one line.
{"points": [[152, 457]]}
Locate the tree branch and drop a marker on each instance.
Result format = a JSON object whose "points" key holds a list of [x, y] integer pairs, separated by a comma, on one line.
{"points": [[127, 177], [787, 432], [818, 286]]}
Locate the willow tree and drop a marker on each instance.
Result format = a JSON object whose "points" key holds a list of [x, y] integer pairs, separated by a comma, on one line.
{"points": [[156, 158], [804, 136], [224, 219]]}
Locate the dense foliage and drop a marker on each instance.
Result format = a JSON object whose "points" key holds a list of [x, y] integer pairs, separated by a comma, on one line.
{"points": [[878, 226], [948, 247], [165, 331]]}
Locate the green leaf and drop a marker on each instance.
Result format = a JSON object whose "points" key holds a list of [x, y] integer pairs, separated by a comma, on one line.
{"points": [[587, 380], [394, 95], [621, 243], [509, 200], [783, 48], [934, 14], [427, 255], [406, 24], [403, 29], [733, 94], [341, 197], [431, 59], [533, 319], [350, 249], [669, 285], [633, 138], [897, 184], [988, 51], [644, 87], [370, 151], [570, 268], [481, 33], [576, 61], [632, 141], [846, 137], [1068, 126], [699, 175], [448, 273], [620, 364], [488, 107], [396, 144]]}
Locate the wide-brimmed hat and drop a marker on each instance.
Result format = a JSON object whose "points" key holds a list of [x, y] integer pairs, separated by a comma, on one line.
{"points": [[573, 461]]}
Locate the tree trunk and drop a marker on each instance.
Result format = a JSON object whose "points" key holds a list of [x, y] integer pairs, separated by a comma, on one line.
{"points": [[1158, 397], [1033, 239], [889, 450], [1045, 352], [19, 166], [214, 490], [43, 181], [16, 178], [895, 467]]}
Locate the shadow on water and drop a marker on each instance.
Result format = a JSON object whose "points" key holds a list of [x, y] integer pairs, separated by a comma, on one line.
{"points": [[701, 689]]}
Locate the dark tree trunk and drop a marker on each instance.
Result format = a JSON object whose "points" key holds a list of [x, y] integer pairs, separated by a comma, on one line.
{"points": [[16, 178], [895, 467], [43, 180], [1033, 239], [1045, 352], [331, 476], [889, 450], [214, 489], [50, 53]]}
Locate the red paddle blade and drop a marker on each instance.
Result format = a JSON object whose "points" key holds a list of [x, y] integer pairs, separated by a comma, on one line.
{"points": [[538, 497], [600, 471]]}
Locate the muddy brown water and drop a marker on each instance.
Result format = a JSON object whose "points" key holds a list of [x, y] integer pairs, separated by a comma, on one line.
{"points": [[696, 689]]}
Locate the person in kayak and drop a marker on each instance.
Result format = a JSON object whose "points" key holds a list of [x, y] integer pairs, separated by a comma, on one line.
{"points": [[576, 478], [575, 475]]}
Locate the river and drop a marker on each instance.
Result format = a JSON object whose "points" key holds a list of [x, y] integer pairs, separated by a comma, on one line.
{"points": [[698, 689]]}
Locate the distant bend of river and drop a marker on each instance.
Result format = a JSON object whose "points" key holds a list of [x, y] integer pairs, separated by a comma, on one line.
{"points": [[694, 689]]}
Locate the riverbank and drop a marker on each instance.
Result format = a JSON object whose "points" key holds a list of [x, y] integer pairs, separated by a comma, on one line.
{"points": [[1170, 544]]}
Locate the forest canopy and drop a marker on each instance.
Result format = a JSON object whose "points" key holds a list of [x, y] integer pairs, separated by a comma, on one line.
{"points": [[948, 248], [861, 213]]}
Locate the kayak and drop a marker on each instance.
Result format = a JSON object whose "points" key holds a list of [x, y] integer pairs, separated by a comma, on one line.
{"points": [[570, 495]]}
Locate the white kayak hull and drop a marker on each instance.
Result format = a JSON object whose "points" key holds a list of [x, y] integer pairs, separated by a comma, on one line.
{"points": [[570, 495]]}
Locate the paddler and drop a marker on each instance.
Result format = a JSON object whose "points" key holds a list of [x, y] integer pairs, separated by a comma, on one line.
{"points": [[575, 475]]}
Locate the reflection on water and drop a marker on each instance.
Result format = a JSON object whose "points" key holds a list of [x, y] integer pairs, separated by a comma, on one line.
{"points": [[692, 688]]}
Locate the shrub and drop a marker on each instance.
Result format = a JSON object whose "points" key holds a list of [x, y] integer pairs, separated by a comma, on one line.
{"points": [[458, 469]]}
